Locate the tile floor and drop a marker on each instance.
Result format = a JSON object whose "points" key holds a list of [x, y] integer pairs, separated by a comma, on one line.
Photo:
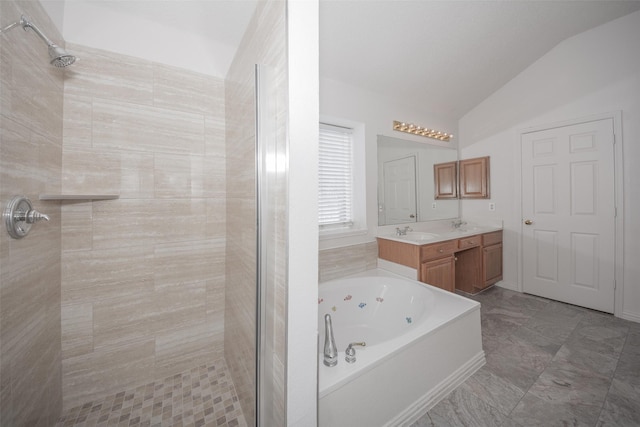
{"points": [[203, 396], [548, 364]]}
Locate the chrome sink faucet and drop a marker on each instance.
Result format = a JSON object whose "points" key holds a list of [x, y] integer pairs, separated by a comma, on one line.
{"points": [[458, 223], [330, 349], [403, 231]]}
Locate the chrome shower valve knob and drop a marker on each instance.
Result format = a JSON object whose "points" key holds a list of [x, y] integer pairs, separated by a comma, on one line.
{"points": [[19, 216]]}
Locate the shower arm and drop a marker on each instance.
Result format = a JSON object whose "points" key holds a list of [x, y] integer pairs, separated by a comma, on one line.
{"points": [[26, 24], [10, 26]]}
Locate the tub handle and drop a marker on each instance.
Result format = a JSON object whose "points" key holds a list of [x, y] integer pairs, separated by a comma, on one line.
{"points": [[350, 352]]}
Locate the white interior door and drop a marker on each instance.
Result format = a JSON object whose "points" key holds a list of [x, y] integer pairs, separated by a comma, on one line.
{"points": [[568, 197], [400, 190]]}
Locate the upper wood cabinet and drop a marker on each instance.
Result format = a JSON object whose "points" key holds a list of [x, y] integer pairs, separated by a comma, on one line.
{"points": [[474, 178], [464, 179], [445, 180]]}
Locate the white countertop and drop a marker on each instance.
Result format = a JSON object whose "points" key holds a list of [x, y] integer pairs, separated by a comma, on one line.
{"points": [[428, 236]]}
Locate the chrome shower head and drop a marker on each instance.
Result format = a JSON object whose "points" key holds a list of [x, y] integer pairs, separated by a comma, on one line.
{"points": [[59, 57]]}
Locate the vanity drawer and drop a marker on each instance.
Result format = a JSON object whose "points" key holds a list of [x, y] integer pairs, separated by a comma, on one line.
{"points": [[469, 242], [489, 239], [437, 250]]}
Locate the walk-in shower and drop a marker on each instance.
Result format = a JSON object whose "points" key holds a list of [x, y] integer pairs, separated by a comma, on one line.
{"points": [[59, 57]]}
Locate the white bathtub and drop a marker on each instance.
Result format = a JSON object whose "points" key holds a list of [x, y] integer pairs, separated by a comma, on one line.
{"points": [[422, 342]]}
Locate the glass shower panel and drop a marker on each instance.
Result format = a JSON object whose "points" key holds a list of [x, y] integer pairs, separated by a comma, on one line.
{"points": [[270, 194]]}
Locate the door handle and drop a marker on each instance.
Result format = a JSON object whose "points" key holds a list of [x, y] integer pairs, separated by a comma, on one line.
{"points": [[528, 222]]}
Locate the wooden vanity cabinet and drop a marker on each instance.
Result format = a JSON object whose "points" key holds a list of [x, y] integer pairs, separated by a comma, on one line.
{"points": [[469, 264], [474, 178], [491, 258], [437, 264], [440, 272]]}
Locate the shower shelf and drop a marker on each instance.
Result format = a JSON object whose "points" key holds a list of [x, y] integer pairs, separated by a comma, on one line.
{"points": [[79, 196]]}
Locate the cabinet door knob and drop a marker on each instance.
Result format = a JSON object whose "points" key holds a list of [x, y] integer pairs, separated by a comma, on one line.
{"points": [[441, 250], [528, 222]]}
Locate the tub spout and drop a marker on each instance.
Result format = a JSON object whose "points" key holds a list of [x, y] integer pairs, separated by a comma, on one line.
{"points": [[330, 350]]}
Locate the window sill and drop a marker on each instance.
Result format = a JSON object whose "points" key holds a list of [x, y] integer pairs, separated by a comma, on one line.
{"points": [[336, 234]]}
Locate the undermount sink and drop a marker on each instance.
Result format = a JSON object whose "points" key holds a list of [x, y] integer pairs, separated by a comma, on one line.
{"points": [[421, 235], [466, 229]]}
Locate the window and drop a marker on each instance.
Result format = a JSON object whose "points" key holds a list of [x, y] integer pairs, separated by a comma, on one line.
{"points": [[342, 191], [335, 201]]}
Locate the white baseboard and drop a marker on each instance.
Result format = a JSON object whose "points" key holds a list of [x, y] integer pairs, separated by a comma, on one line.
{"points": [[634, 317], [437, 393], [507, 285]]}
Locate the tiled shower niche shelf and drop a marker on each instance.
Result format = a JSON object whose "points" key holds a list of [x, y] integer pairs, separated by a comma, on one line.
{"points": [[79, 196]]}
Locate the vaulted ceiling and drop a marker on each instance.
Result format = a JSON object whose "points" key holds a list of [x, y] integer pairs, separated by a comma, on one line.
{"points": [[447, 56], [444, 56]]}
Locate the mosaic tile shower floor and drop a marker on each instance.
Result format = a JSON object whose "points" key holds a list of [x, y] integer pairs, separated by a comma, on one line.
{"points": [[203, 396]]}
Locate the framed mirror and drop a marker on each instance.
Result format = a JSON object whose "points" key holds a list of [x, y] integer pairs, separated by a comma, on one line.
{"points": [[406, 190]]}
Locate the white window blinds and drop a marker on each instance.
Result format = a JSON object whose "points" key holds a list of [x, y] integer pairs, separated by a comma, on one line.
{"points": [[335, 177]]}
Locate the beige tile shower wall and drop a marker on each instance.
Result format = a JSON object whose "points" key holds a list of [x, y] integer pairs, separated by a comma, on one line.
{"points": [[30, 164], [263, 43], [340, 262], [142, 276]]}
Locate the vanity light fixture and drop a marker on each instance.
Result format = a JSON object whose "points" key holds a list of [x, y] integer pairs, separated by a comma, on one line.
{"points": [[421, 131]]}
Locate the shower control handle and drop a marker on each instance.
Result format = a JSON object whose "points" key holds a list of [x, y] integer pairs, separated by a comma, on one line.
{"points": [[350, 352], [34, 216], [19, 216]]}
